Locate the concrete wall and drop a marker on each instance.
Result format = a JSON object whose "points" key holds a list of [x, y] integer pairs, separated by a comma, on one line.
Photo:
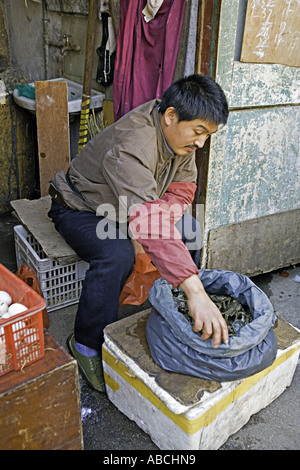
{"points": [[254, 161], [37, 35], [25, 32]]}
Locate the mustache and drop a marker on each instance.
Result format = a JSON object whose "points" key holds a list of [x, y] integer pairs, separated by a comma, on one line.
{"points": [[192, 146]]}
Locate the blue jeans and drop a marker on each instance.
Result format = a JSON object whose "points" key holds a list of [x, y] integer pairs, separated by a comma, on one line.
{"points": [[110, 264]]}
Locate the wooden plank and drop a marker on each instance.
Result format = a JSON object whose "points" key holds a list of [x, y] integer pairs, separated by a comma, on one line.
{"points": [[271, 33], [33, 215], [108, 112], [40, 405], [207, 21], [207, 26], [256, 246], [52, 130]]}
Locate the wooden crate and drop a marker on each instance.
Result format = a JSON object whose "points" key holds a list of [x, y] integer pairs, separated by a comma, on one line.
{"points": [[40, 405]]}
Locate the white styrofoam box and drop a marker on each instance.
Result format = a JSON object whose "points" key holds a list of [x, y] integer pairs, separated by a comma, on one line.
{"points": [[207, 424], [61, 285]]}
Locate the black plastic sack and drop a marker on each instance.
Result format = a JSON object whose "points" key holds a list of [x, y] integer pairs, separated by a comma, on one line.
{"points": [[175, 347]]}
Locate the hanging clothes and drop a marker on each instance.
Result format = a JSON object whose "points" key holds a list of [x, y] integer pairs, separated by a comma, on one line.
{"points": [[106, 52], [151, 9], [146, 53]]}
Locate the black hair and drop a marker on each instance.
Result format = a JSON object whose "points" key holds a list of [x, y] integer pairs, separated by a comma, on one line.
{"points": [[196, 97]]}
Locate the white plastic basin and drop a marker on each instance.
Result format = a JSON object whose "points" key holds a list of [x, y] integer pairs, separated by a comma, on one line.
{"points": [[74, 97]]}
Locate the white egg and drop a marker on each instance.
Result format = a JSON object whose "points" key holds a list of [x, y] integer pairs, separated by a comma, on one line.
{"points": [[16, 308], [3, 308], [5, 297], [6, 315]]}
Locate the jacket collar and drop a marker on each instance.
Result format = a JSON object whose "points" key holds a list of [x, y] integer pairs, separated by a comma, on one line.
{"points": [[163, 148]]}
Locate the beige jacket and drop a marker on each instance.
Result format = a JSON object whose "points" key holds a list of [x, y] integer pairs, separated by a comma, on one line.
{"points": [[130, 158]]}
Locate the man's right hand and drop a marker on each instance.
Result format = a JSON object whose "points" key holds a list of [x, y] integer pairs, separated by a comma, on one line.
{"points": [[207, 317]]}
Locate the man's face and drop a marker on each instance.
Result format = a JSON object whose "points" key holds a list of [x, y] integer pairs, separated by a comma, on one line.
{"points": [[186, 136]]}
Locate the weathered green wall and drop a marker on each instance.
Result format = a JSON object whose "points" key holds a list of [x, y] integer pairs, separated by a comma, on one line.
{"points": [[254, 161], [254, 165]]}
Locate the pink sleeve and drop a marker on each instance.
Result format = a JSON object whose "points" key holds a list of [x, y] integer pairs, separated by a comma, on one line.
{"points": [[153, 225], [180, 192]]}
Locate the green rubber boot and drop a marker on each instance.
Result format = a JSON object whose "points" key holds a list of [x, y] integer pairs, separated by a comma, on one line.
{"points": [[90, 367]]}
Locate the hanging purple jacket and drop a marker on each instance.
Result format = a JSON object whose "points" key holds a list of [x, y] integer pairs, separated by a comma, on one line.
{"points": [[146, 53]]}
